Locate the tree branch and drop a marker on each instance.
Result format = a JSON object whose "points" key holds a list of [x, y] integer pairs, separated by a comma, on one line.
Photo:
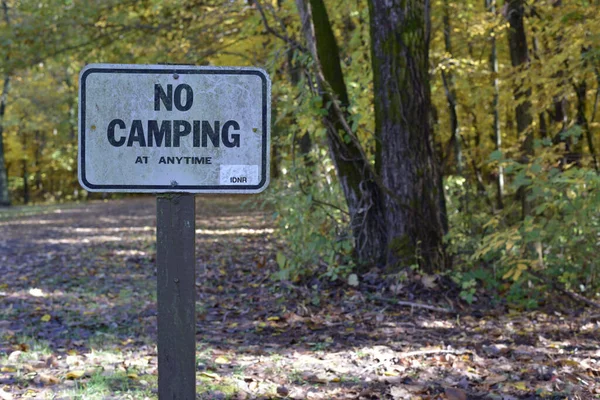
{"points": [[284, 37], [411, 304], [575, 296]]}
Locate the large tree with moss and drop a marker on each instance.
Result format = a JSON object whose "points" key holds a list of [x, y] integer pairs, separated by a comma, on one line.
{"points": [[405, 159], [356, 175], [394, 205]]}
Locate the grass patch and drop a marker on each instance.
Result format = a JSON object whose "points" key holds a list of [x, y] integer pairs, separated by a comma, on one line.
{"points": [[8, 213], [32, 349], [209, 388], [119, 384]]}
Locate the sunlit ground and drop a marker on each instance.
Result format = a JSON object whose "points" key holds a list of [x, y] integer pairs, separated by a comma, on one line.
{"points": [[78, 321]]}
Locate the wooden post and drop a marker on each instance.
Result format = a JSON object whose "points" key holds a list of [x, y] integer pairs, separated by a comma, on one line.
{"points": [[176, 276]]}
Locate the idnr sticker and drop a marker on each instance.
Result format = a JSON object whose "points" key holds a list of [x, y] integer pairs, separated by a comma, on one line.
{"points": [[239, 174]]}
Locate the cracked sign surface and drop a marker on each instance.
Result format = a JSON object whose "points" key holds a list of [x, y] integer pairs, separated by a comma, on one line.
{"points": [[167, 128]]}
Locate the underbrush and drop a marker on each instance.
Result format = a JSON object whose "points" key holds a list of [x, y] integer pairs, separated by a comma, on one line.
{"points": [[529, 258], [312, 222], [524, 254]]}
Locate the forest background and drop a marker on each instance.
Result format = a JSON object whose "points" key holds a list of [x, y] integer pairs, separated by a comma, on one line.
{"points": [[512, 127]]}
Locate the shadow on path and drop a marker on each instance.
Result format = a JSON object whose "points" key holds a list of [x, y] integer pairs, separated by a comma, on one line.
{"points": [[77, 288]]}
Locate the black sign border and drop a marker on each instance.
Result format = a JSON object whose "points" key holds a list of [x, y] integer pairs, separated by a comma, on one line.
{"points": [[180, 188]]}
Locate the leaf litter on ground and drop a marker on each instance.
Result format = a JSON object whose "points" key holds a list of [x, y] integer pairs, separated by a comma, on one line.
{"points": [[78, 320]]}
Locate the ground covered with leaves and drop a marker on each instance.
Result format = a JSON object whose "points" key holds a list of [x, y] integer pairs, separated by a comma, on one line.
{"points": [[78, 319]]}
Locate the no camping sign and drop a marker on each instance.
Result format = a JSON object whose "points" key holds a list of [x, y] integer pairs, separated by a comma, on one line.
{"points": [[157, 128], [175, 131]]}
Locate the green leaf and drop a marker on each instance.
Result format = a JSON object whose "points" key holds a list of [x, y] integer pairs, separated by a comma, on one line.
{"points": [[496, 155], [281, 259], [536, 169]]}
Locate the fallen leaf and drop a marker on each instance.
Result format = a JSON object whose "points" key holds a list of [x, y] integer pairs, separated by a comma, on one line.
{"points": [[283, 391], [399, 392], [75, 374], [455, 394], [49, 379], [568, 362], [520, 386], [14, 356], [319, 378], [494, 379], [429, 281], [209, 375]]}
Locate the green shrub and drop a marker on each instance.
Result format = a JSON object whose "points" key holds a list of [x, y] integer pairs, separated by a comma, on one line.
{"points": [[313, 226], [555, 243]]}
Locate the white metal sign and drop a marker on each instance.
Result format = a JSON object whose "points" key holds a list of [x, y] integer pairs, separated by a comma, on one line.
{"points": [[163, 128]]}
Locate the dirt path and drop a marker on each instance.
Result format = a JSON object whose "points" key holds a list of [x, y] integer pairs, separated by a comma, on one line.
{"points": [[78, 320]]}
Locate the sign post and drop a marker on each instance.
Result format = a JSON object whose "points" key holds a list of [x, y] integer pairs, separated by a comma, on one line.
{"points": [[176, 278], [175, 131]]}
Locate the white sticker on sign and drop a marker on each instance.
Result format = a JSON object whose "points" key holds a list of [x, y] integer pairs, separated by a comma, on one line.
{"points": [[239, 175]]}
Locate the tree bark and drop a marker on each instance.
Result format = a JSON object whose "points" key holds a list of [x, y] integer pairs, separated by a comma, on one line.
{"points": [[597, 97], [519, 55], [304, 142], [543, 125], [40, 143], [490, 5], [581, 91], [399, 45], [4, 195], [24, 165], [450, 90], [363, 195]]}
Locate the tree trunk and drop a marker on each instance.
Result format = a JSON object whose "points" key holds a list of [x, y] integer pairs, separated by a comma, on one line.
{"points": [[543, 125], [490, 5], [4, 195], [362, 194], [26, 194], [519, 55], [40, 142], [400, 44], [581, 91], [450, 90], [597, 97], [304, 142]]}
